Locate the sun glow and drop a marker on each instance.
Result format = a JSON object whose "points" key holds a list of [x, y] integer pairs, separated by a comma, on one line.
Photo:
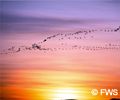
{"points": [[65, 93]]}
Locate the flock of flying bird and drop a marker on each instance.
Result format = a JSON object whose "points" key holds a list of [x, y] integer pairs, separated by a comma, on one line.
{"points": [[79, 35]]}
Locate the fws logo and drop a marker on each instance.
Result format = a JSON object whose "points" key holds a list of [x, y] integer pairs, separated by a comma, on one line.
{"points": [[111, 92], [107, 92]]}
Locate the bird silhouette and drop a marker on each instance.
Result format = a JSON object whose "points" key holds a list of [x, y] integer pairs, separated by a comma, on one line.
{"points": [[81, 35]]}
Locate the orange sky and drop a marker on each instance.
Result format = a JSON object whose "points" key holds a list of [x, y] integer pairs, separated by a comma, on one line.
{"points": [[38, 75], [74, 47]]}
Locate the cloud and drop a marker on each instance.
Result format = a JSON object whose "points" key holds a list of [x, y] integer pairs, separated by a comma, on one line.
{"points": [[17, 23], [12, 23]]}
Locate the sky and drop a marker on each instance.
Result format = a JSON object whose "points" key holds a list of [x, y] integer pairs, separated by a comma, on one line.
{"points": [[59, 49], [48, 15]]}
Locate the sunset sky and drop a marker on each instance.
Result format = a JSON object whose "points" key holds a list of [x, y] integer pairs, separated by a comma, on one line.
{"points": [[74, 64]]}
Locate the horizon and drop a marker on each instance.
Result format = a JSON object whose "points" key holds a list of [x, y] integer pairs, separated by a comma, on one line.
{"points": [[60, 50]]}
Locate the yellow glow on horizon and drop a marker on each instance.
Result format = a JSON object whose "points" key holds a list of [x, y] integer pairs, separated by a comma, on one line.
{"points": [[65, 93]]}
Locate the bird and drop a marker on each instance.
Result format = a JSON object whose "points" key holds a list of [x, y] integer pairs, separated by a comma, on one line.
{"points": [[80, 35]]}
